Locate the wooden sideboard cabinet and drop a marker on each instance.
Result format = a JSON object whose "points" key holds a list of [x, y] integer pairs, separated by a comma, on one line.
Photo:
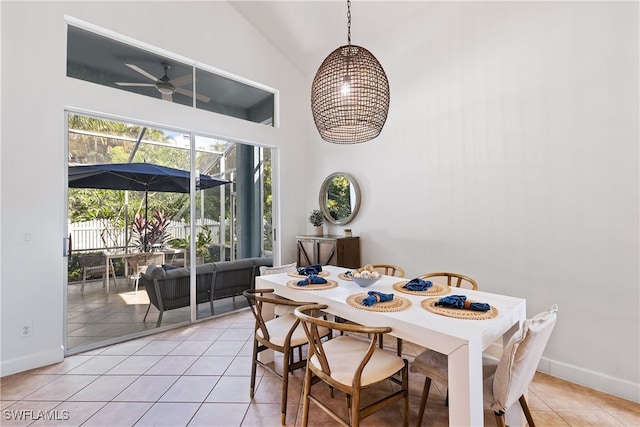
{"points": [[329, 250]]}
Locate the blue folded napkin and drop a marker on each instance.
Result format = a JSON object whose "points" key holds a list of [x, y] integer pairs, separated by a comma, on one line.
{"points": [[418, 284], [312, 269], [460, 301], [311, 279], [375, 297]]}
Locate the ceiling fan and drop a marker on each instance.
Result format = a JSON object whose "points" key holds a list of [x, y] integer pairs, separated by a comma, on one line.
{"points": [[164, 84]]}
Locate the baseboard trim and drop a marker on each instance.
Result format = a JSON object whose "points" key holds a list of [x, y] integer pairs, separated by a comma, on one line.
{"points": [[588, 378], [595, 380], [32, 361]]}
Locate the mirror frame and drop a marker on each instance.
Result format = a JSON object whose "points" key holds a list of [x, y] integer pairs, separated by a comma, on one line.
{"points": [[323, 198]]}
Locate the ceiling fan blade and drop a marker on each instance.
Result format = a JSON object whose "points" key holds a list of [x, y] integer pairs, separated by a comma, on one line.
{"points": [[136, 84], [141, 71], [167, 97], [181, 81], [199, 97]]}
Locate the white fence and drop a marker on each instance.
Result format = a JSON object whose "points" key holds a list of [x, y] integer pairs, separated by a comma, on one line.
{"points": [[97, 235]]}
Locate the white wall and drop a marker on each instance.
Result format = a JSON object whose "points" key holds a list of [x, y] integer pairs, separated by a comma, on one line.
{"points": [[510, 154], [35, 93]]}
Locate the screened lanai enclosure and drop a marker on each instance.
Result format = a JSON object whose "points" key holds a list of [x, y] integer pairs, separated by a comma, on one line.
{"points": [[230, 222]]}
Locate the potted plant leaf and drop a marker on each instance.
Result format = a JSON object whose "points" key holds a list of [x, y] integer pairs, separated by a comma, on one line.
{"points": [[316, 218]]}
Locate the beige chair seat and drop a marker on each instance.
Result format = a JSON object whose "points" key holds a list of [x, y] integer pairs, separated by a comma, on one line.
{"points": [[279, 328], [344, 351]]}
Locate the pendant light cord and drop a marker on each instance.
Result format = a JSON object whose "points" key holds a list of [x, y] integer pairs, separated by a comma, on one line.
{"points": [[349, 21]]}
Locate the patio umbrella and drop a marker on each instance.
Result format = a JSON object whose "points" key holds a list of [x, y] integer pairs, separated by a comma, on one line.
{"points": [[138, 177]]}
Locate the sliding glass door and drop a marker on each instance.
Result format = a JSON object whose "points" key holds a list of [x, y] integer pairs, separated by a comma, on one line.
{"points": [[117, 230]]}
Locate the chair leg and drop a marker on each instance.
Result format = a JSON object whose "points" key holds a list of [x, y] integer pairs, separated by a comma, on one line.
{"points": [[145, 315], [405, 398], [423, 401], [305, 397], [159, 320], [355, 408], [527, 412], [288, 356], [254, 357], [115, 280], [500, 419]]}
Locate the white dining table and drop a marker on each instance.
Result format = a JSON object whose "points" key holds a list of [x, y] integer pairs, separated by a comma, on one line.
{"points": [[462, 340]]}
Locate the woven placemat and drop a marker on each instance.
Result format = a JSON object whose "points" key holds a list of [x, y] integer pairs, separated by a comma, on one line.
{"points": [[458, 313], [396, 304], [293, 284], [295, 274], [344, 276], [434, 290]]}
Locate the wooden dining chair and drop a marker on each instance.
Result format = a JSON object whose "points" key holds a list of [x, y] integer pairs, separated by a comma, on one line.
{"points": [[389, 269], [453, 279], [506, 379], [279, 310], [282, 334], [350, 365]]}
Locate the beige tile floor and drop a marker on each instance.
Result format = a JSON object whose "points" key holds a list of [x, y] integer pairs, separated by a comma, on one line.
{"points": [[198, 375], [97, 316]]}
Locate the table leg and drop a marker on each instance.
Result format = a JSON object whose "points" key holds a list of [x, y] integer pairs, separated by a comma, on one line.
{"points": [[465, 386], [106, 268]]}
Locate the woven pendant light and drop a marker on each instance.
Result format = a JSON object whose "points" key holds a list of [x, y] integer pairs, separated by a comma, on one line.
{"points": [[350, 94]]}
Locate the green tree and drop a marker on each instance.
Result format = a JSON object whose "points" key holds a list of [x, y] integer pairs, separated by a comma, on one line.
{"points": [[339, 197]]}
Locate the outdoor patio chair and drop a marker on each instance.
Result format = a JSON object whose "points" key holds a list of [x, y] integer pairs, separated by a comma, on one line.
{"points": [[93, 264], [138, 264]]}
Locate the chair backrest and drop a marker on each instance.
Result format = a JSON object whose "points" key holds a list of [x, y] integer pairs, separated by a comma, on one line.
{"points": [[257, 300], [520, 359], [389, 269], [91, 260], [453, 279], [287, 268], [312, 325]]}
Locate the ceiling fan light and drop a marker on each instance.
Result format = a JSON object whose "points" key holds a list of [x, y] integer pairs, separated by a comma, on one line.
{"points": [[165, 88]]}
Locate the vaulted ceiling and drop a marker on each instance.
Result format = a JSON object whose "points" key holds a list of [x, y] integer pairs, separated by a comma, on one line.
{"points": [[306, 31]]}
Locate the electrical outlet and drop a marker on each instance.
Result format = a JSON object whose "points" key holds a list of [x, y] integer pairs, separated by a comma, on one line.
{"points": [[26, 330]]}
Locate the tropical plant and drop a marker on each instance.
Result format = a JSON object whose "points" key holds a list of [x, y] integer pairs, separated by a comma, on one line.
{"points": [[155, 231], [203, 241]]}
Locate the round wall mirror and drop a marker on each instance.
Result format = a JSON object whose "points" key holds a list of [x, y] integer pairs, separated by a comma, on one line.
{"points": [[339, 198]]}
